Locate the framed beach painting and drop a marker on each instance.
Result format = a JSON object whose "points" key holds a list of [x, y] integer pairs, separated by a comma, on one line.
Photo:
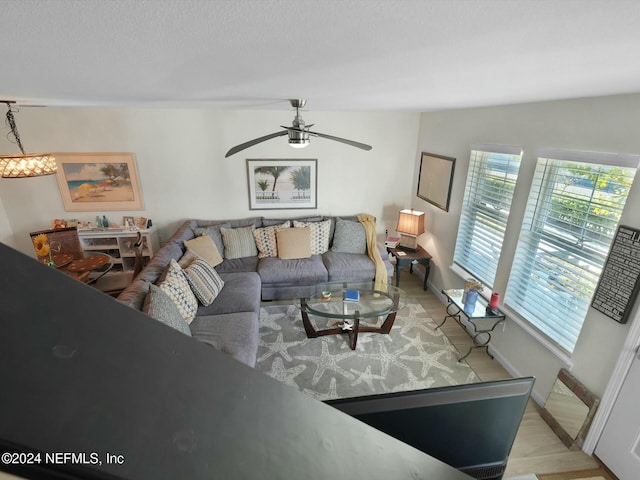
{"points": [[98, 181], [282, 184]]}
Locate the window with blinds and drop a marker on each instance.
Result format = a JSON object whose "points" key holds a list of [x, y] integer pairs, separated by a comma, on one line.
{"points": [[573, 210], [493, 171]]}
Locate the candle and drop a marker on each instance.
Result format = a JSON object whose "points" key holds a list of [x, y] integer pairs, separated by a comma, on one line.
{"points": [[495, 298]]}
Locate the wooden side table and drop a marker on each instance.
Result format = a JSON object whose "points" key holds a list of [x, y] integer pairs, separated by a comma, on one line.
{"points": [[407, 257]]}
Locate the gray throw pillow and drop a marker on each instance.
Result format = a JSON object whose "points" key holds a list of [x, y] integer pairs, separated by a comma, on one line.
{"points": [[349, 237], [159, 306], [214, 232]]}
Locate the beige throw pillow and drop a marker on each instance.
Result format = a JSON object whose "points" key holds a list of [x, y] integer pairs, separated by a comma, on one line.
{"points": [[205, 248], [320, 232], [294, 243], [266, 239]]}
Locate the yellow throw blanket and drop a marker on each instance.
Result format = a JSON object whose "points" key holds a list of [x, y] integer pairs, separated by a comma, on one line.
{"points": [[369, 223]]}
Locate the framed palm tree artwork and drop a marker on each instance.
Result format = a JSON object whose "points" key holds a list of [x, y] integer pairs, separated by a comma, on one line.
{"points": [[98, 181], [282, 184]]}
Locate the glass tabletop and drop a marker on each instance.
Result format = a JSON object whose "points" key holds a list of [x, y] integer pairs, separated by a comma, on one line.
{"points": [[480, 311], [328, 300]]}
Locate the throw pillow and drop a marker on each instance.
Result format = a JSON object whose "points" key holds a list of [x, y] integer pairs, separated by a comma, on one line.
{"points": [[159, 306], [187, 257], [294, 243], [176, 286], [214, 232], [205, 282], [238, 242], [349, 237], [266, 240], [319, 235], [204, 247]]}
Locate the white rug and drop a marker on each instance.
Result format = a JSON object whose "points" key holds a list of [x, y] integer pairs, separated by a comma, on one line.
{"points": [[414, 355]]}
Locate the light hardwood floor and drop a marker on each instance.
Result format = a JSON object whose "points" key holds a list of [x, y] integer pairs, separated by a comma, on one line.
{"points": [[536, 449]]}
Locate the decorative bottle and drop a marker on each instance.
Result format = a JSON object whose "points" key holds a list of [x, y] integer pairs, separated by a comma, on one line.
{"points": [[98, 221], [470, 302], [105, 221]]}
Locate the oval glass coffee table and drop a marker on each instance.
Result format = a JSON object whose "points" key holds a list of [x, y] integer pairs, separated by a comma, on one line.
{"points": [[363, 314]]}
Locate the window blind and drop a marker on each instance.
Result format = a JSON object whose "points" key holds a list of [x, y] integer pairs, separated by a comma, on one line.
{"points": [[571, 217], [493, 172]]}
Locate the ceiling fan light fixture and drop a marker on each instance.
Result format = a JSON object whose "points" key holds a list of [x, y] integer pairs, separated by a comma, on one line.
{"points": [[27, 164], [299, 143], [298, 138]]}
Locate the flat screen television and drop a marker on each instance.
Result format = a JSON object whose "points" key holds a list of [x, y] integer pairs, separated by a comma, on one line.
{"points": [[470, 427]]}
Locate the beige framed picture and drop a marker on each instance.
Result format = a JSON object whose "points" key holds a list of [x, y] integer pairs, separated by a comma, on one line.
{"points": [[98, 181], [141, 222]]}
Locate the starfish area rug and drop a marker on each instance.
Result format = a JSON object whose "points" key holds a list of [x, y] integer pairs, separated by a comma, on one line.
{"points": [[413, 356]]}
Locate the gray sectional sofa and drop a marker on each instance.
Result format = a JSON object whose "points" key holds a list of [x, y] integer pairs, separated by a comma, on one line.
{"points": [[230, 323]]}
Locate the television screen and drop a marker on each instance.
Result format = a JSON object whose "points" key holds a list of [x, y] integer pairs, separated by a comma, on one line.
{"points": [[470, 427]]}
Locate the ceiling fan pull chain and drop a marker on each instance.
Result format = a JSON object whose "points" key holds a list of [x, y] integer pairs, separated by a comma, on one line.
{"points": [[11, 122]]}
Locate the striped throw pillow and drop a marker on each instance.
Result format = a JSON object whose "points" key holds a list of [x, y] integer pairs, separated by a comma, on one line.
{"points": [[205, 282], [239, 242]]}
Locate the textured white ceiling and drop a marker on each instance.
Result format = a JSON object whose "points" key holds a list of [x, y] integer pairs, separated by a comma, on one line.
{"points": [[415, 55]]}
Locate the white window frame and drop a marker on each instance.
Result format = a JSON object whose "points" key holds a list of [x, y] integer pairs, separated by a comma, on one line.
{"points": [[542, 247], [479, 245]]}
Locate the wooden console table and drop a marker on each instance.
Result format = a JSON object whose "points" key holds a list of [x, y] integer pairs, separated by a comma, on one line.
{"points": [[407, 257]]}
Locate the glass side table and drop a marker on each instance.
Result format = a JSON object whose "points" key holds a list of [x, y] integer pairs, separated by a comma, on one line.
{"points": [[483, 320]]}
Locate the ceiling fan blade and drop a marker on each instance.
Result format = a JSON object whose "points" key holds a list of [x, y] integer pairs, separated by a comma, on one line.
{"points": [[353, 143], [255, 141]]}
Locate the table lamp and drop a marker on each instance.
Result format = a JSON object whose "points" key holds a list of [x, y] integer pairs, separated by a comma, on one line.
{"points": [[410, 226]]}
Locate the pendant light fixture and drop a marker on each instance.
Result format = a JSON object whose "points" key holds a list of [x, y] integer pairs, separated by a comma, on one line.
{"points": [[24, 165]]}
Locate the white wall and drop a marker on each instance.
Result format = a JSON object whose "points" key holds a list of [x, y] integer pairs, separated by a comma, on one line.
{"points": [[183, 172], [5, 227], [606, 124]]}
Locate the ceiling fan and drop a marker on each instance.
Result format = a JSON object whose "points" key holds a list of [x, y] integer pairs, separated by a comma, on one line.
{"points": [[298, 134]]}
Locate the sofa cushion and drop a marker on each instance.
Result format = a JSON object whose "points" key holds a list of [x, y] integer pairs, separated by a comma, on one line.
{"points": [[241, 293], [239, 242], [204, 247], [176, 286], [160, 260], [294, 243], [134, 295], [235, 334], [301, 271], [265, 238], [247, 264], [348, 266], [159, 306], [204, 281], [349, 237], [320, 235]]}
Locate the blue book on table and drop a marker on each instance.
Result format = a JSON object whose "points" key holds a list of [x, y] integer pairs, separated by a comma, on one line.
{"points": [[351, 295]]}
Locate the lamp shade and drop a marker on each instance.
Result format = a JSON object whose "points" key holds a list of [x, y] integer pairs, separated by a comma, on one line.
{"points": [[410, 222]]}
